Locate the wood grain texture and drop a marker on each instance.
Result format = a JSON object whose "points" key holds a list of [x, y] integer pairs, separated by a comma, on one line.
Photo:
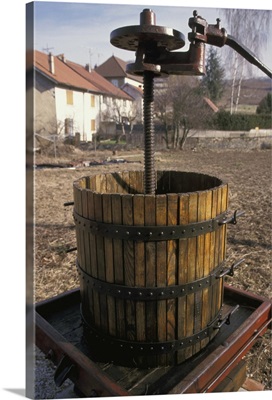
{"points": [[182, 198]]}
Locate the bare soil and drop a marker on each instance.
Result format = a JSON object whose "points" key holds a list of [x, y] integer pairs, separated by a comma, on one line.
{"points": [[249, 176]]}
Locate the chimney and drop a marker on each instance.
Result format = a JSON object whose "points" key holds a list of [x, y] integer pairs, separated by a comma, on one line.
{"points": [[62, 57], [51, 63], [88, 68]]}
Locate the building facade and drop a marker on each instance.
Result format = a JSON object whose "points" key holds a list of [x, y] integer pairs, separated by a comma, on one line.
{"points": [[71, 99]]}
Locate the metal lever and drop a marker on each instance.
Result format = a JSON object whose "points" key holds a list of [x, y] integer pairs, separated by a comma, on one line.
{"points": [[226, 319], [66, 369], [69, 203], [232, 220], [247, 54], [230, 271]]}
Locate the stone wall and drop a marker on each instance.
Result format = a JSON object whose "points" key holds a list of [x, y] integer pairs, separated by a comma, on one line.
{"points": [[255, 139]]}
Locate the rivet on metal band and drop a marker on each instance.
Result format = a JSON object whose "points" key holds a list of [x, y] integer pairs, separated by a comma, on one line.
{"points": [[150, 293], [141, 348], [149, 233]]}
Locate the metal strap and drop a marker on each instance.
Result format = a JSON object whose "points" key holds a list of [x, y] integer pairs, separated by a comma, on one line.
{"points": [[149, 233], [150, 348], [149, 293]]}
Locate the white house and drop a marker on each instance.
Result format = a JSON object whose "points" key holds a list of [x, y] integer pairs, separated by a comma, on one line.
{"points": [[69, 98], [114, 70]]}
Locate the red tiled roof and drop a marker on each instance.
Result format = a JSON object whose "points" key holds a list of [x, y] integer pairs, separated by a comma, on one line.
{"points": [[114, 67], [103, 85], [136, 88], [64, 75]]}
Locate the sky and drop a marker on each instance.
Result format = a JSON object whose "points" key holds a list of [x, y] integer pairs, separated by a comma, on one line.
{"points": [[82, 30]]}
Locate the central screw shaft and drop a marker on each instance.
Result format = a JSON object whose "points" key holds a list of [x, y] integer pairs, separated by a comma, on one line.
{"points": [[148, 107]]}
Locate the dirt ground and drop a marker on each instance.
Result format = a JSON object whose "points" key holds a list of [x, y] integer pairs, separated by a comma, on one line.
{"points": [[248, 174]]}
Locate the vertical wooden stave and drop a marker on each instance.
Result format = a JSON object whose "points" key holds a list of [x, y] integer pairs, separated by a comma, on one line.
{"points": [[140, 281], [200, 243], [213, 259], [129, 271], [101, 273], [192, 250], [207, 292], [218, 252], [118, 265], [222, 254], [150, 274], [86, 263], [172, 217], [161, 272], [182, 274], [109, 268], [77, 207]]}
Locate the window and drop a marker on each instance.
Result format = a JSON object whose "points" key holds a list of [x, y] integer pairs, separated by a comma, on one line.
{"points": [[114, 82], [92, 100], [92, 124], [69, 97]]}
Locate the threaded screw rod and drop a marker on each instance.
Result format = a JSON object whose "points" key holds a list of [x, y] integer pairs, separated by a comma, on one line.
{"points": [[149, 136]]}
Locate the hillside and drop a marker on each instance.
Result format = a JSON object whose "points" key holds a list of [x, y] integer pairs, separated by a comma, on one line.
{"points": [[252, 92]]}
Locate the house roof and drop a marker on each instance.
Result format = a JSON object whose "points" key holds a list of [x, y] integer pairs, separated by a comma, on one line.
{"points": [[102, 84], [134, 90], [73, 75], [63, 74], [114, 67]]}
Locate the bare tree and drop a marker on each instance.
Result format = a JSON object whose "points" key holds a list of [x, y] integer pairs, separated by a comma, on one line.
{"points": [[163, 112], [251, 28], [180, 106], [121, 116]]}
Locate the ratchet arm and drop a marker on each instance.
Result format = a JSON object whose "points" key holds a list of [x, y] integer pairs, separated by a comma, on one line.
{"points": [[247, 54]]}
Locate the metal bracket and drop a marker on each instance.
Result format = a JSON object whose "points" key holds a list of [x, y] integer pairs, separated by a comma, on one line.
{"points": [[66, 369], [230, 271], [226, 319], [232, 220], [69, 203]]}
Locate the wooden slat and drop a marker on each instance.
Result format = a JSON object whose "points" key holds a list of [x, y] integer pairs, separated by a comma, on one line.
{"points": [[161, 263], [93, 295], [127, 212], [150, 269], [208, 255], [86, 261], [218, 251], [139, 248], [182, 273], [192, 250], [118, 265], [109, 268], [214, 252], [172, 217], [223, 239], [200, 247], [101, 262]]}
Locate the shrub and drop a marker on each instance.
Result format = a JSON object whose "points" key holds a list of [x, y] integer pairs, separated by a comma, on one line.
{"points": [[225, 121]]}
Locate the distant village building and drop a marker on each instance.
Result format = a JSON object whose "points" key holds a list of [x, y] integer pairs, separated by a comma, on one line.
{"points": [[71, 99], [114, 70], [136, 92], [74, 100]]}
